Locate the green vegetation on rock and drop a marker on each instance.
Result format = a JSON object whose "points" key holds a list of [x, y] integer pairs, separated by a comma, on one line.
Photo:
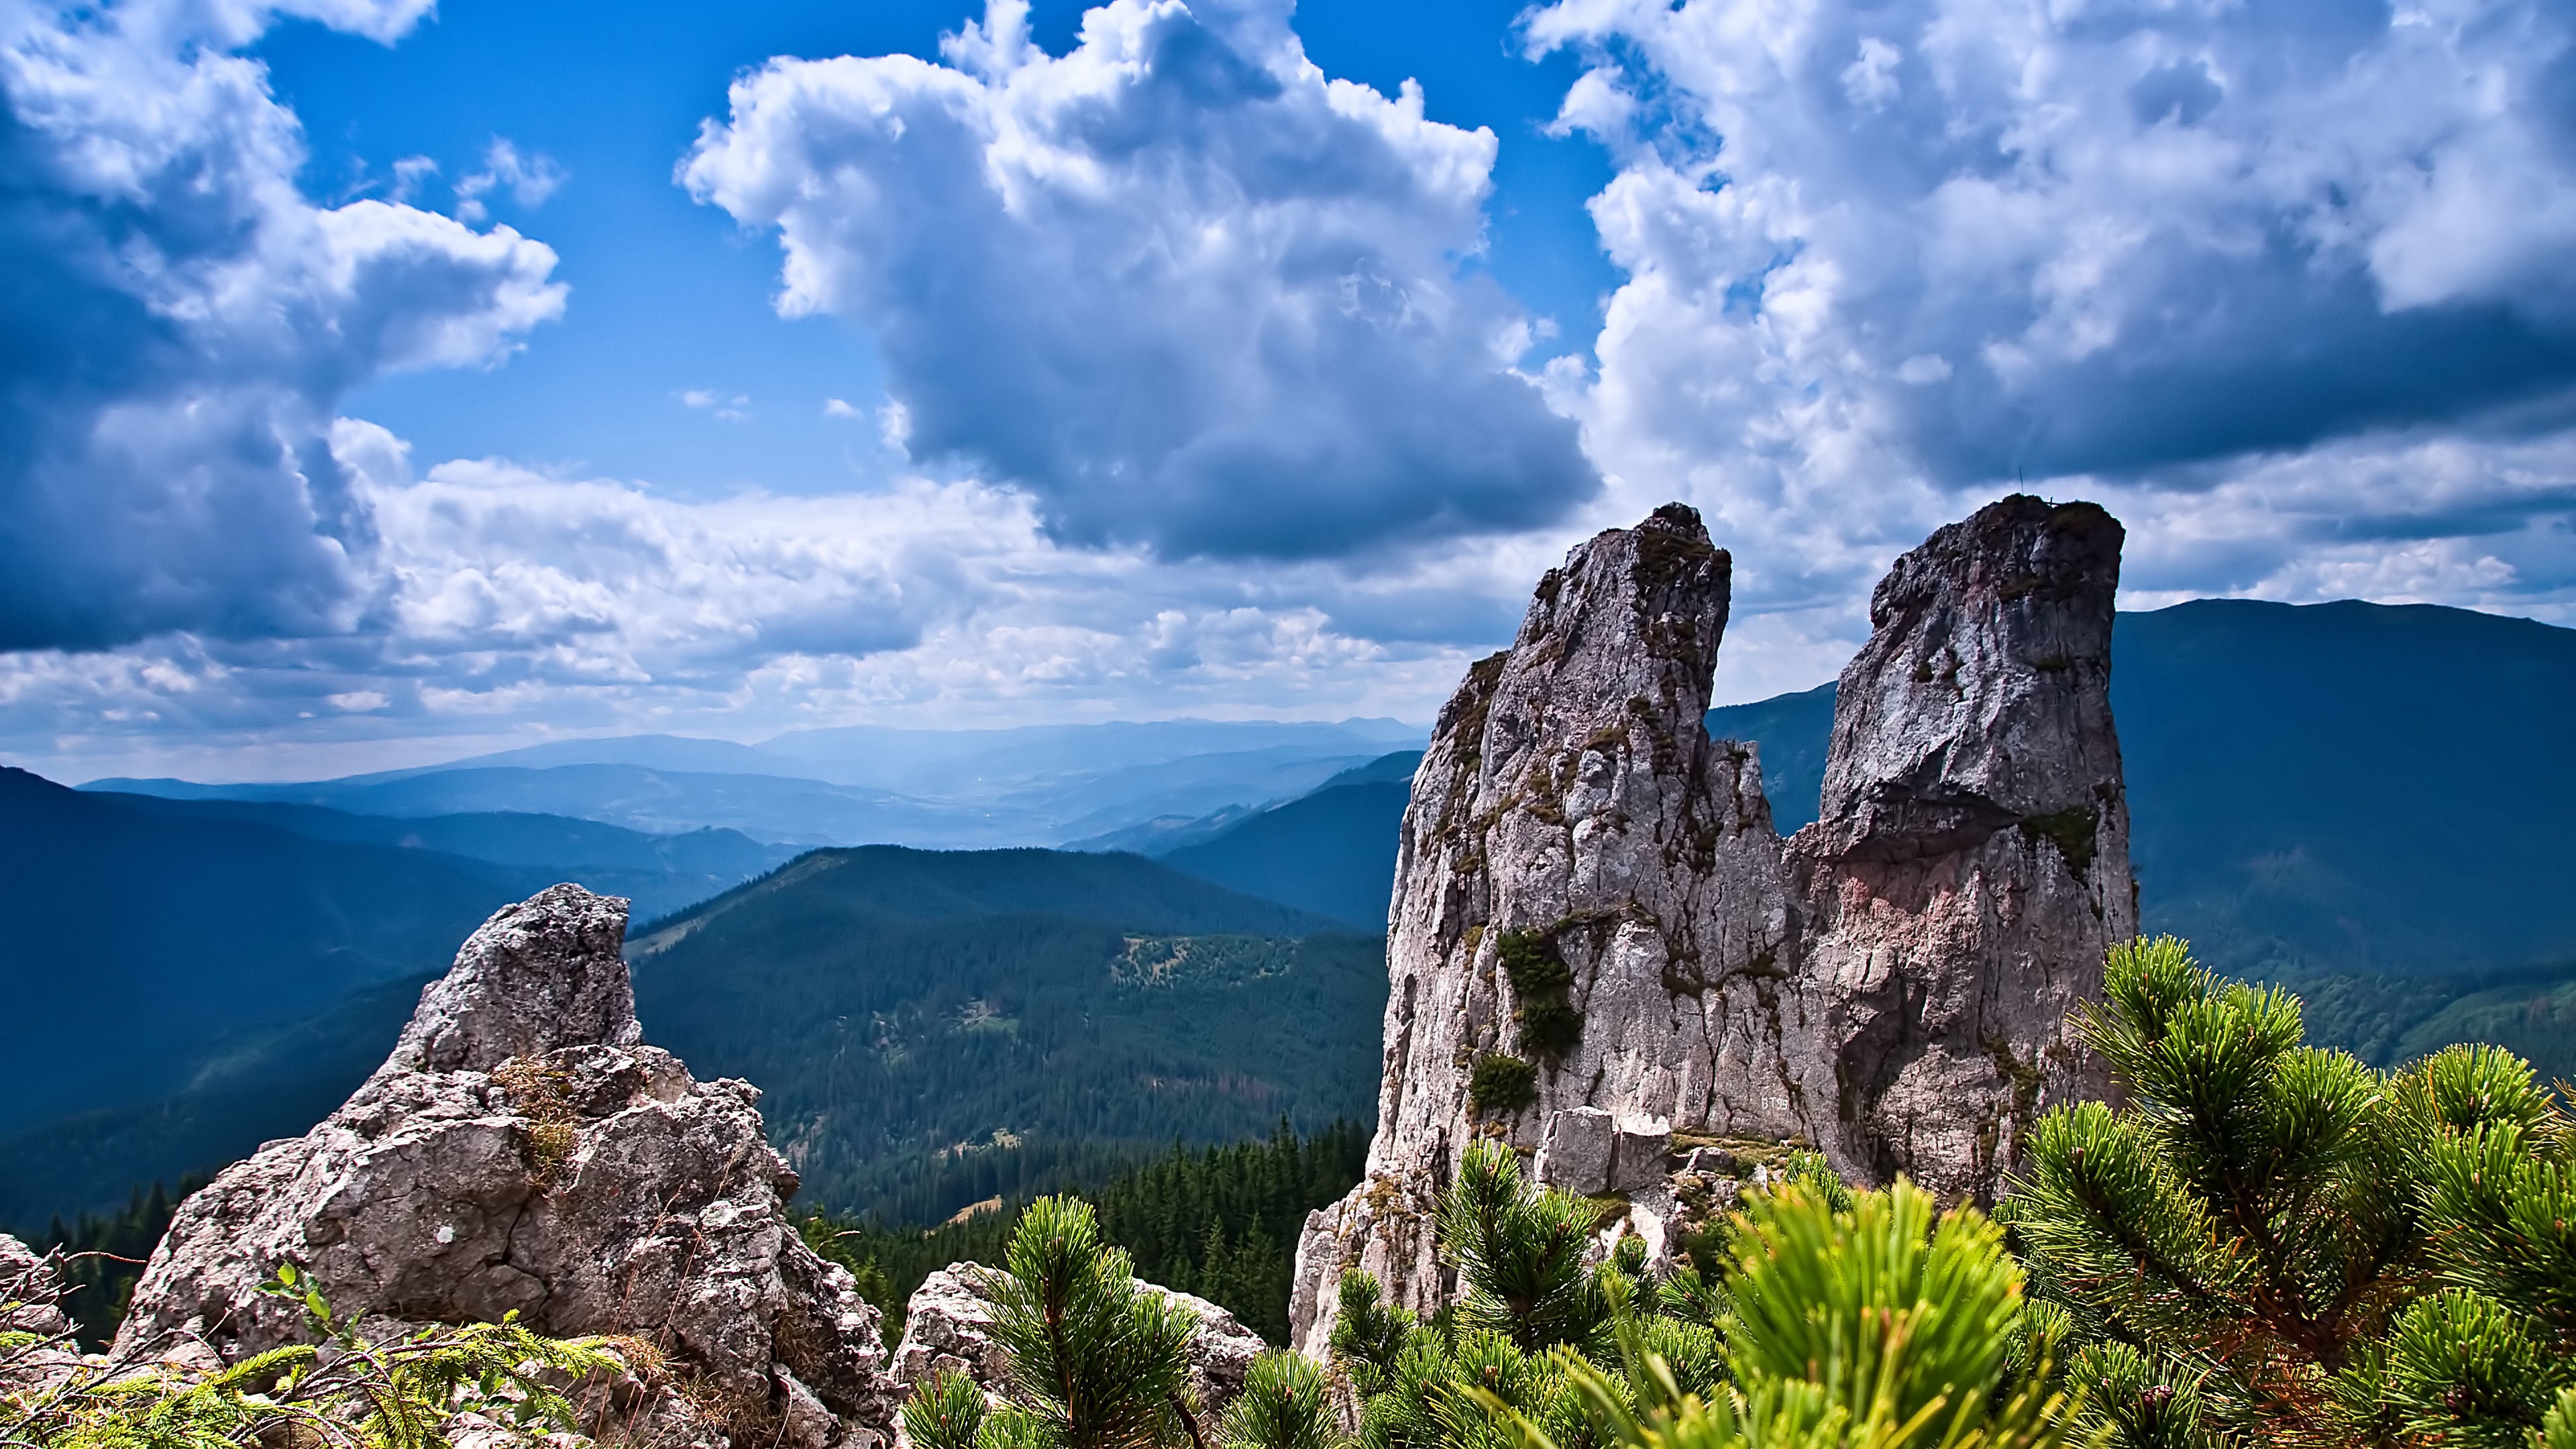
{"points": [[1502, 1083], [347, 1388]]}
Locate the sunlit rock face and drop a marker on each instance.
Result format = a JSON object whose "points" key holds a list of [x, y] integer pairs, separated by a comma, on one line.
{"points": [[1971, 863], [1602, 951], [522, 1150]]}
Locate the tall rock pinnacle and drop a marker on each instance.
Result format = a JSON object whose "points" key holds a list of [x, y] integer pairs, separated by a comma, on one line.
{"points": [[1599, 943], [1971, 864]]}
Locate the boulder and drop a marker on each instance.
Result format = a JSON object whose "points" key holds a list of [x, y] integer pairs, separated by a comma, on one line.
{"points": [[1595, 923], [31, 1295], [948, 1329], [523, 1150], [1641, 1154], [1576, 1152]]}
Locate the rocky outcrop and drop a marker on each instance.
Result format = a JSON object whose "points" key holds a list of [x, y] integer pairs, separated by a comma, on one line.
{"points": [[522, 1150], [30, 1292], [31, 1295], [1601, 949], [948, 1329], [1971, 862]]}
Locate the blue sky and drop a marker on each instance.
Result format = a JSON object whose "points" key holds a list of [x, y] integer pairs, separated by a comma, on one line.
{"points": [[387, 382], [673, 297]]}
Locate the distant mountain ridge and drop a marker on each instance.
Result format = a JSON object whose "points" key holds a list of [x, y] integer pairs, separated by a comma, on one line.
{"points": [[1331, 850], [970, 789], [2359, 801], [927, 1023], [140, 934], [660, 872]]}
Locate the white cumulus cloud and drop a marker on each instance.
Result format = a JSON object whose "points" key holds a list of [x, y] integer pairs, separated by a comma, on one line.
{"points": [[2251, 271], [529, 179], [1177, 284]]}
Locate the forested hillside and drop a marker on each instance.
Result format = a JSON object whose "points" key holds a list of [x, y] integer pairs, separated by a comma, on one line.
{"points": [[146, 938], [236, 1092], [931, 1030], [1220, 1222]]}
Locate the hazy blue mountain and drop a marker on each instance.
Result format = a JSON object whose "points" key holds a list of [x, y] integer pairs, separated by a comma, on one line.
{"points": [[655, 752], [139, 936], [957, 790], [660, 873], [1389, 769], [1164, 834], [1189, 785], [952, 763], [1331, 850], [767, 807]]}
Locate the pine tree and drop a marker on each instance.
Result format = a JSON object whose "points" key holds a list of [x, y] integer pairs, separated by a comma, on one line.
{"points": [[1284, 1405], [2270, 1243], [1520, 1253], [1096, 1362], [1841, 1320]]}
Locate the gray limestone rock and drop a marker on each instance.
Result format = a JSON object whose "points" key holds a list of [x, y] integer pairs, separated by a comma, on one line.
{"points": [[947, 1328], [1641, 1155], [31, 1295], [1591, 898], [1576, 1151], [949, 1322], [1971, 866], [521, 1150], [30, 1292], [1577, 852]]}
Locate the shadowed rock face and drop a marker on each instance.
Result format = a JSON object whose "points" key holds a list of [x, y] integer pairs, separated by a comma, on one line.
{"points": [[521, 1150], [1598, 939]]}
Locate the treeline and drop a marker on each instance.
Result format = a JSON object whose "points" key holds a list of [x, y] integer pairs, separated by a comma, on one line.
{"points": [[1219, 1222]]}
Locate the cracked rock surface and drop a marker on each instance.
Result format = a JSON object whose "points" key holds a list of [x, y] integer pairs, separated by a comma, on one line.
{"points": [[521, 1149], [1603, 952]]}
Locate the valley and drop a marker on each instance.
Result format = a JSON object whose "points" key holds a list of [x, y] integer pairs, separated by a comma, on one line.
{"points": [[937, 1027]]}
